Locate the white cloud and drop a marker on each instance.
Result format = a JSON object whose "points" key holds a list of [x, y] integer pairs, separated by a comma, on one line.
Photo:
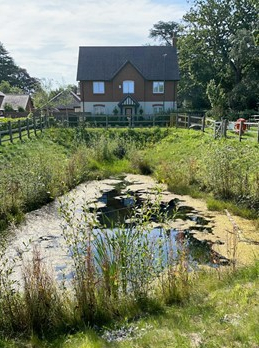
{"points": [[43, 36]]}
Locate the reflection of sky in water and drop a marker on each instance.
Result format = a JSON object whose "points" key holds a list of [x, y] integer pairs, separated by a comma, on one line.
{"points": [[163, 243], [168, 243]]}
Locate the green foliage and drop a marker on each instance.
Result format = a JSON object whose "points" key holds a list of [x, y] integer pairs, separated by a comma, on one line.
{"points": [[116, 271], [12, 75], [164, 32], [8, 107], [5, 87], [217, 99], [231, 172], [218, 42]]}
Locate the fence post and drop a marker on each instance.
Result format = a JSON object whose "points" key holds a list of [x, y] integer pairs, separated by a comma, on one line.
{"points": [[240, 130], [258, 133], [10, 131], [40, 118], [224, 128], [19, 129], [176, 120], [154, 120], [45, 122], [203, 124], [34, 125], [215, 129], [28, 127], [189, 121]]}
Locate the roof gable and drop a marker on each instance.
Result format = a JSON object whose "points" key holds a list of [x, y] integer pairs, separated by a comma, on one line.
{"points": [[125, 64], [128, 101], [102, 63], [16, 101]]}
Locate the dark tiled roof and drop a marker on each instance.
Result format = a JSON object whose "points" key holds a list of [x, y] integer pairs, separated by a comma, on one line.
{"points": [[16, 101], [66, 100], [103, 63]]}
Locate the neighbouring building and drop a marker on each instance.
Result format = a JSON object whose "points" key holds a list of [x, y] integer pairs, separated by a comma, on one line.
{"points": [[128, 80], [17, 102], [65, 101]]}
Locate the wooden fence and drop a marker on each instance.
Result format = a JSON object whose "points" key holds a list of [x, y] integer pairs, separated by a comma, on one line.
{"points": [[188, 120], [18, 129], [106, 121], [194, 121], [224, 129]]}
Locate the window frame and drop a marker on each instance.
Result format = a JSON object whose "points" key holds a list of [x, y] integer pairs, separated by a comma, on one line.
{"points": [[156, 87], [160, 108], [97, 89], [101, 108], [128, 90]]}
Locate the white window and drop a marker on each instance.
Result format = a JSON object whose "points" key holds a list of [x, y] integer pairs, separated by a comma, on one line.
{"points": [[128, 86], [98, 87], [157, 109], [158, 87], [99, 109]]}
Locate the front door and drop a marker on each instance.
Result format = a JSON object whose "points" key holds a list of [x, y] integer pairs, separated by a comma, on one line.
{"points": [[128, 112]]}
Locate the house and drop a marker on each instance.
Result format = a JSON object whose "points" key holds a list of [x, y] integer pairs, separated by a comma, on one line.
{"points": [[18, 102], [128, 80], [65, 101]]}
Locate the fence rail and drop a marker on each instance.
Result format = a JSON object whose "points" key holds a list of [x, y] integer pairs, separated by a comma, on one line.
{"points": [[11, 130], [106, 121], [19, 129], [223, 128], [188, 120]]}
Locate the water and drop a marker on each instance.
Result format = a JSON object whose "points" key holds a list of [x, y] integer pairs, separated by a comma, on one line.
{"points": [[115, 201], [118, 210]]}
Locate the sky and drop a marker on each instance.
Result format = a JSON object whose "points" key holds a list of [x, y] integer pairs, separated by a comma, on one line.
{"points": [[44, 36]]}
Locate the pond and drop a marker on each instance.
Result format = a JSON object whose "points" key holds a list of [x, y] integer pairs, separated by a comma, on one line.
{"points": [[114, 201], [120, 202]]}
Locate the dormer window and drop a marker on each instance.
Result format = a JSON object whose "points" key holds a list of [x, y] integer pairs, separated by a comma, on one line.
{"points": [[128, 87], [158, 87], [98, 87]]}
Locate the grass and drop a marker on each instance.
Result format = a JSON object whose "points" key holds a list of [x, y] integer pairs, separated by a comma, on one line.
{"points": [[220, 313], [220, 308], [190, 162]]}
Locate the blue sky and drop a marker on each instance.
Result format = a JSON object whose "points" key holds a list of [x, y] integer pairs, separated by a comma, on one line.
{"points": [[43, 36]]}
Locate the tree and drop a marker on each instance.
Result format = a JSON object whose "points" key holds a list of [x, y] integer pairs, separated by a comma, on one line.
{"points": [[45, 97], [221, 32], [6, 88], [164, 32], [217, 99], [14, 75]]}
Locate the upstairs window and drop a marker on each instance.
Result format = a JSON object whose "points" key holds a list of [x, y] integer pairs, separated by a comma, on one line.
{"points": [[128, 87], [98, 87], [158, 87]]}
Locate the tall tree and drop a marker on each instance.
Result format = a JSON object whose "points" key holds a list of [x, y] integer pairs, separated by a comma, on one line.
{"points": [[15, 75], [164, 32], [223, 30], [219, 43]]}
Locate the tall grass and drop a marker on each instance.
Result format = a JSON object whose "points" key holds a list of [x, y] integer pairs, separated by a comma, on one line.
{"points": [[121, 268], [116, 273], [36, 171]]}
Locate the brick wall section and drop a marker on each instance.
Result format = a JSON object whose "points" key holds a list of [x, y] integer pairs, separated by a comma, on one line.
{"points": [[143, 89]]}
